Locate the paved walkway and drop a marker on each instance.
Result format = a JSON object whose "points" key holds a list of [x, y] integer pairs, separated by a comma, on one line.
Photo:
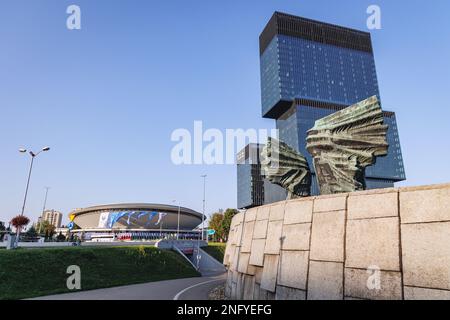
{"points": [[178, 289]]}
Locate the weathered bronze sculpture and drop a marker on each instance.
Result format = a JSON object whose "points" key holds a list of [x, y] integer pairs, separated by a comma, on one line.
{"points": [[345, 143], [286, 167]]}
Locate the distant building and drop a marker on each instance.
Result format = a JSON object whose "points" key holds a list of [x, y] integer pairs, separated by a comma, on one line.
{"points": [[64, 231], [53, 217], [252, 188], [135, 222]]}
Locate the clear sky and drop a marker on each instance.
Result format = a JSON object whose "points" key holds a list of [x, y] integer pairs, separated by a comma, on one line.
{"points": [[106, 98]]}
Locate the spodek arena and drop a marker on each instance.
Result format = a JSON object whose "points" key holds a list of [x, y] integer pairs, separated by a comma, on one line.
{"points": [[135, 222]]}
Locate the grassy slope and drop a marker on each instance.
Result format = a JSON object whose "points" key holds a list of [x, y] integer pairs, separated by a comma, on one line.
{"points": [[35, 272], [216, 250]]}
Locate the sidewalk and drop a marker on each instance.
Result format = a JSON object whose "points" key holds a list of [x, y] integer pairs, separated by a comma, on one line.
{"points": [[183, 289]]}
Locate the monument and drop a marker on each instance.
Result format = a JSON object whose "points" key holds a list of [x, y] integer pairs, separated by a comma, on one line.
{"points": [[344, 143], [287, 168]]}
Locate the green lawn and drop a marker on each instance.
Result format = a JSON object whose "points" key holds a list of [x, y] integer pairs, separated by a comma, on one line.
{"points": [[216, 250], [28, 273]]}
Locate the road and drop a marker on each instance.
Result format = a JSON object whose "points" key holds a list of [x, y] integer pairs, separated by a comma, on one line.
{"points": [[178, 289]]}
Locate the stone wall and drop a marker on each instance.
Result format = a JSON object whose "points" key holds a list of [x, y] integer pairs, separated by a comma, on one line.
{"points": [[377, 244]]}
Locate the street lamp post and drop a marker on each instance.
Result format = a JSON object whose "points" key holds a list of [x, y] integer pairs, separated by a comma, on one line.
{"points": [[203, 215], [43, 209], [33, 155], [178, 222], [203, 221]]}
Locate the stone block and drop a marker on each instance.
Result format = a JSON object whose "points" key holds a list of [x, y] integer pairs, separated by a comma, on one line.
{"points": [[426, 255], [362, 284], [235, 259], [413, 293], [257, 252], [228, 291], [235, 275], [273, 240], [250, 214], [327, 237], [330, 203], [296, 236], [258, 274], [238, 219], [373, 205], [256, 292], [260, 294], [238, 235], [233, 291], [251, 270], [228, 283], [285, 293], [240, 287], [232, 236], [247, 236], [325, 281], [277, 211], [373, 242], [243, 262], [263, 212], [428, 205], [229, 277], [249, 287], [298, 211], [270, 272], [229, 249], [260, 230], [293, 269]]}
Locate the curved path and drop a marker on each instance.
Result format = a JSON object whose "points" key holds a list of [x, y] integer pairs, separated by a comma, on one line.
{"points": [[178, 289]]}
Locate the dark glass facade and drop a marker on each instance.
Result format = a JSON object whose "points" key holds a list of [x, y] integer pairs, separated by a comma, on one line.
{"points": [[298, 68], [252, 189], [311, 69]]}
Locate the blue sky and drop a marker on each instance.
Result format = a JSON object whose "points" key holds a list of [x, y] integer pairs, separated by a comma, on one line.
{"points": [[106, 98]]}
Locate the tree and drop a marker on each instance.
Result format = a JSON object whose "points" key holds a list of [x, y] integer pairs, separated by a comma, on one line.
{"points": [[226, 223], [2, 230], [45, 228], [216, 223], [60, 237], [19, 222], [31, 233]]}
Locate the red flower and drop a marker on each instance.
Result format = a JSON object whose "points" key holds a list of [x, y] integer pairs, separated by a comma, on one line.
{"points": [[20, 221]]}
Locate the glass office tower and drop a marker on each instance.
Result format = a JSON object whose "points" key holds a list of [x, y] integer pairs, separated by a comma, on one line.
{"points": [[252, 188], [311, 69]]}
